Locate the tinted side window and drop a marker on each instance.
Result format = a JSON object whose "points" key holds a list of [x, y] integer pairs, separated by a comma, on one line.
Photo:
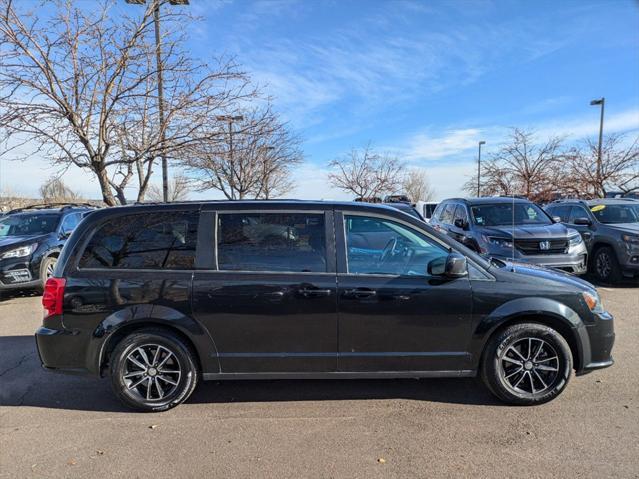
{"points": [[447, 214], [70, 222], [562, 211], [144, 241], [438, 211], [390, 248], [578, 212], [291, 242], [460, 213]]}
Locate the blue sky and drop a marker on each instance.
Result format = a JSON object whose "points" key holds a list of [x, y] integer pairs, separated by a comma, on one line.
{"points": [[426, 79]]}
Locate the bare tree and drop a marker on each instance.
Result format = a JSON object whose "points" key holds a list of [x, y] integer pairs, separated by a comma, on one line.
{"points": [[254, 159], [55, 191], [80, 89], [417, 187], [178, 190], [619, 168], [366, 173], [522, 167]]}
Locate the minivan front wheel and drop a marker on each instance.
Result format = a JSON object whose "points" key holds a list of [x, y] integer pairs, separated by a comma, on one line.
{"points": [[152, 370], [526, 364]]}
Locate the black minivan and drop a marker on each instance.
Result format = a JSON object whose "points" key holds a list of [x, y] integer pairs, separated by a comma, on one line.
{"points": [[158, 297]]}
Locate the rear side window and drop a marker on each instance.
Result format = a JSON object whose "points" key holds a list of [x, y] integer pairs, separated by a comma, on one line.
{"points": [[286, 242], [163, 240]]}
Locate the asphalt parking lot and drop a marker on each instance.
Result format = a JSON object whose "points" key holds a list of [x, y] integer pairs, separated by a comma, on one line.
{"points": [[65, 426]]}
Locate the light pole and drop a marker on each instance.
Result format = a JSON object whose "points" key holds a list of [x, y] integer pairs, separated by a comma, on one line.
{"points": [[479, 167], [230, 119], [159, 65], [601, 101]]}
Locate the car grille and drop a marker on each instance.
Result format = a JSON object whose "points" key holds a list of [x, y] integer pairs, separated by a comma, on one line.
{"points": [[529, 246]]}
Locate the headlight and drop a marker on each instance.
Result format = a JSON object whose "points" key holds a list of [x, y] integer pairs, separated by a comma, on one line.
{"points": [[20, 252], [575, 240], [632, 239], [593, 301], [501, 242]]}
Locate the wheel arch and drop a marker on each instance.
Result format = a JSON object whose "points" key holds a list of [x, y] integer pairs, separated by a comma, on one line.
{"points": [[122, 323], [544, 311]]}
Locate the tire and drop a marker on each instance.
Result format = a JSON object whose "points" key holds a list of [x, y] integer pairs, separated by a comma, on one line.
{"points": [[605, 266], [46, 268], [518, 365], [134, 360]]}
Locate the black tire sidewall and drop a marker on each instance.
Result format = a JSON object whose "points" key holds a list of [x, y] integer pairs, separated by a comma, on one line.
{"points": [[491, 365], [615, 272], [184, 356]]}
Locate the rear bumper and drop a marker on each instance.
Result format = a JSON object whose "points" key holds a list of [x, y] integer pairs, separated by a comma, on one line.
{"points": [[61, 350]]}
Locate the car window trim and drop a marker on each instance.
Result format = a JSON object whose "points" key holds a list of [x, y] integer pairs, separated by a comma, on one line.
{"points": [[329, 239], [93, 229], [340, 216]]}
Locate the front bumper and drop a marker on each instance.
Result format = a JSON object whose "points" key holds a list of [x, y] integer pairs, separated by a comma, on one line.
{"points": [[18, 273], [573, 263], [597, 350], [629, 260]]}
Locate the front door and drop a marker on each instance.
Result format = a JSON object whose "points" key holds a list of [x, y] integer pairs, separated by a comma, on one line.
{"points": [[394, 316], [270, 302]]}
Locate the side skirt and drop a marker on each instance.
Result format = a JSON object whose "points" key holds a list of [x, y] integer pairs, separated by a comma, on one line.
{"points": [[465, 373]]}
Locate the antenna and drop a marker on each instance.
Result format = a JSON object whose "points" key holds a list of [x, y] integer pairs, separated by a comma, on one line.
{"points": [[512, 243]]}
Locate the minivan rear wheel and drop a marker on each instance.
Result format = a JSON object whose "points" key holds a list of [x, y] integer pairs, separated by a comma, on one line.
{"points": [[153, 370], [527, 364]]}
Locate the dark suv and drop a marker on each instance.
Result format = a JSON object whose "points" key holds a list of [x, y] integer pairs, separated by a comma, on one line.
{"points": [[511, 229], [610, 229], [31, 240], [158, 297]]}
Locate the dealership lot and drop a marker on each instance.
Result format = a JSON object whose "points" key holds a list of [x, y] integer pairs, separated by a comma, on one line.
{"points": [[55, 425]]}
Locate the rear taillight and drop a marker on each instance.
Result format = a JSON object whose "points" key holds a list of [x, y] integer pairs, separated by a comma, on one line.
{"points": [[53, 296]]}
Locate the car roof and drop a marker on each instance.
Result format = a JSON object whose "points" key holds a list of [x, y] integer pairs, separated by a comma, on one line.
{"points": [[485, 200], [596, 201], [253, 204], [612, 201], [50, 209]]}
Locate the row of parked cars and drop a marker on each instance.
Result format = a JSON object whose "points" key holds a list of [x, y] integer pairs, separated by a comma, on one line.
{"points": [[598, 236]]}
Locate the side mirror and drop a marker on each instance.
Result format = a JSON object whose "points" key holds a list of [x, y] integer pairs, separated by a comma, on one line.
{"points": [[460, 223], [452, 266], [583, 221], [556, 219], [64, 235]]}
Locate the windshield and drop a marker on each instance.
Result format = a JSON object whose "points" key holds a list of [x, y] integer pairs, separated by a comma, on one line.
{"points": [[501, 214], [616, 213], [26, 225]]}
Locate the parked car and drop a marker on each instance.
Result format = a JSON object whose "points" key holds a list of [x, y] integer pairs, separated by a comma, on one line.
{"points": [[406, 208], [31, 239], [426, 209], [610, 230], [182, 292], [508, 228]]}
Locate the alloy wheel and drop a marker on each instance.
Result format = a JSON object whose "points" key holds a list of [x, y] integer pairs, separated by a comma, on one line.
{"points": [[603, 264], [50, 268], [151, 372], [529, 366]]}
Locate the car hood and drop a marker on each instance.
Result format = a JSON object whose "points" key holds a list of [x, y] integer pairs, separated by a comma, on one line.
{"points": [[625, 227], [555, 230], [532, 271], [10, 242]]}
